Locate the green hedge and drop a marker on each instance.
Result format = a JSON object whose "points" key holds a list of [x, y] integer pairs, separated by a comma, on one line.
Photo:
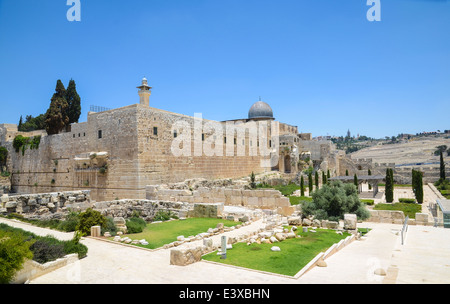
{"points": [[407, 200], [369, 202], [17, 245]]}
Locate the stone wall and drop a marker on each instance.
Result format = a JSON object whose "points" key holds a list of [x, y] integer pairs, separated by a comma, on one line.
{"points": [[260, 198], [133, 155], [147, 209], [45, 205], [5, 185], [398, 217]]}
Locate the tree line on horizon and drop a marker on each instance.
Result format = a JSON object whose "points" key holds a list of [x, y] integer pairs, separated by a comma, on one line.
{"points": [[64, 109]]}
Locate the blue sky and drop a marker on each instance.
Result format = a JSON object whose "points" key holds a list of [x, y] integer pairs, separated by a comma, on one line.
{"points": [[320, 64]]}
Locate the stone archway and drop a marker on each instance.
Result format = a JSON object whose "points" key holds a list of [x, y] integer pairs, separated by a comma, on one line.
{"points": [[287, 164]]}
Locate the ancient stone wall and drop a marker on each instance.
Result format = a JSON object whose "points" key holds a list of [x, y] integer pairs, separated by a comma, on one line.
{"points": [[159, 165], [261, 198], [116, 153], [45, 205]]}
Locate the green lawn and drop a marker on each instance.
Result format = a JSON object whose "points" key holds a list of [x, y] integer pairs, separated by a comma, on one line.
{"points": [[294, 255], [159, 234], [408, 209], [295, 200], [284, 189]]}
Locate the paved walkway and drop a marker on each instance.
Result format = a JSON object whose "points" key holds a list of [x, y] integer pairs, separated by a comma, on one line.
{"points": [[424, 258]]}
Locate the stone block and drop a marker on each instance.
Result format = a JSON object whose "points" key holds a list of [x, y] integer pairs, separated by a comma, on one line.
{"points": [[295, 220], [252, 201], [350, 221], [283, 202], [95, 231], [286, 211], [183, 257], [421, 218], [11, 204]]}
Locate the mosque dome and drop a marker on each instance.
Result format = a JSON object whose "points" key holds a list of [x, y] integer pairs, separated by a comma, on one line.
{"points": [[260, 109]]}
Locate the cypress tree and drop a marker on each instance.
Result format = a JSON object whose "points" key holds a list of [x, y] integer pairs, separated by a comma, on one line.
{"points": [[316, 178], [302, 186], [324, 178], [19, 127], [417, 185], [328, 174], [355, 180], [310, 183], [441, 167], [369, 173], [389, 191], [73, 102], [56, 118], [419, 193]]}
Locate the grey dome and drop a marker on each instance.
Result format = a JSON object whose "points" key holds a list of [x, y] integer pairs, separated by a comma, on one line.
{"points": [[260, 109]]}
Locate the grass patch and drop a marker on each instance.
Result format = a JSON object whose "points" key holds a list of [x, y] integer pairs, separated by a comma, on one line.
{"points": [[294, 255], [368, 202], [159, 234], [407, 208], [284, 189], [397, 185], [295, 200]]}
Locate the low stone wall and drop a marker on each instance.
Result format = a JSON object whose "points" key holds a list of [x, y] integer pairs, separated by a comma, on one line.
{"points": [[45, 205], [261, 198], [32, 269], [386, 216], [398, 217], [147, 209]]}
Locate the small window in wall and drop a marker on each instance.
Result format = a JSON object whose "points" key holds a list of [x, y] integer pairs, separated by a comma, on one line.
{"points": [[100, 134], [203, 136], [155, 130], [175, 134], [84, 134], [224, 139], [74, 136], [235, 140]]}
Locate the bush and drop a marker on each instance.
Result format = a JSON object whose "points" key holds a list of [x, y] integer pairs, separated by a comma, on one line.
{"points": [[368, 202], [88, 219], [135, 225], [334, 200], [14, 250], [162, 215], [46, 249], [109, 226], [70, 223], [73, 246], [407, 200]]}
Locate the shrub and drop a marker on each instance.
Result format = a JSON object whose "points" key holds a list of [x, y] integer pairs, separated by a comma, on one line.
{"points": [[162, 215], [14, 250], [88, 219], [47, 249], [73, 246], [333, 200], [135, 225], [407, 200], [70, 223], [109, 226], [368, 202]]}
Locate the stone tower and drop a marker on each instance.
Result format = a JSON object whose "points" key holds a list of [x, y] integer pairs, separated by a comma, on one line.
{"points": [[144, 93]]}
